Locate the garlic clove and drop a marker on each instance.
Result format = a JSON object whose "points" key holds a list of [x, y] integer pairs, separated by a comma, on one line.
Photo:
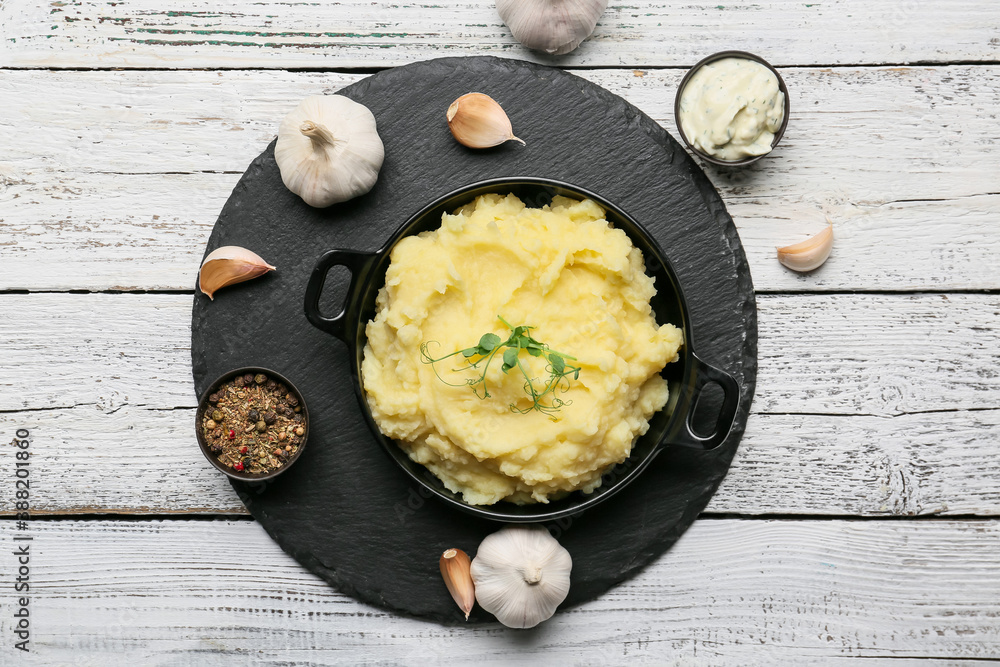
{"points": [[454, 564], [809, 254], [229, 265], [553, 26], [478, 121]]}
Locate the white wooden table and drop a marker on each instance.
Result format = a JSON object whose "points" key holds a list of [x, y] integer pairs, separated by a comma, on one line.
{"points": [[859, 522]]}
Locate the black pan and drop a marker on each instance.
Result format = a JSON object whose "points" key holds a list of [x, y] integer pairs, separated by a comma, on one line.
{"points": [[670, 427]]}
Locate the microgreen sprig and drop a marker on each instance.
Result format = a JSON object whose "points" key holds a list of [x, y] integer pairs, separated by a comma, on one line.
{"points": [[481, 355]]}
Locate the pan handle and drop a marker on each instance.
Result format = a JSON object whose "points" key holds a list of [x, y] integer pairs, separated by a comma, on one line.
{"points": [[704, 375], [358, 264]]}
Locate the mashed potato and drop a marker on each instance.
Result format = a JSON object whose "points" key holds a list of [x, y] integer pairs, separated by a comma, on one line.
{"points": [[561, 269]]}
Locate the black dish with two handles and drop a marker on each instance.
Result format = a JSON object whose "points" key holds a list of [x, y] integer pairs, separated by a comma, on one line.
{"points": [[686, 378]]}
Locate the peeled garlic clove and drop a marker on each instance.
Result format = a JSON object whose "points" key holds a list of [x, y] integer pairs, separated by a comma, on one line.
{"points": [[454, 566], [810, 254], [552, 26], [477, 121], [229, 265]]}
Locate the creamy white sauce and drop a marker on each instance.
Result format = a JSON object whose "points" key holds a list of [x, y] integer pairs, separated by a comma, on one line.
{"points": [[731, 108]]}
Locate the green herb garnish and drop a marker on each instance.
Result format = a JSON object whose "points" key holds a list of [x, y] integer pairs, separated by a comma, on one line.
{"points": [[480, 357]]}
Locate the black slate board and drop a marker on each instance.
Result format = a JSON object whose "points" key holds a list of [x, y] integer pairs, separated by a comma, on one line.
{"points": [[345, 511]]}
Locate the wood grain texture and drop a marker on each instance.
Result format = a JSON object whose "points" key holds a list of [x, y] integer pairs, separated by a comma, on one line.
{"points": [[844, 354], [878, 354], [353, 33], [866, 404], [876, 406], [731, 592], [787, 464], [122, 193]]}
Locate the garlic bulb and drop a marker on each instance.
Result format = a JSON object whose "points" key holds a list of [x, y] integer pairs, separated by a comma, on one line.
{"points": [[809, 254], [552, 26], [478, 121], [521, 575], [328, 150], [229, 265]]}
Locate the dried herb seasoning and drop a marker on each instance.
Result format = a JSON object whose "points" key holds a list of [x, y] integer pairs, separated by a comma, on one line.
{"points": [[253, 424]]}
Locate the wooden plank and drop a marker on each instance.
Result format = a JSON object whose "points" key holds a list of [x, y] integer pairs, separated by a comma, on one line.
{"points": [[919, 464], [122, 193], [875, 405], [843, 354], [787, 464], [103, 351], [107, 231], [878, 354], [731, 592], [354, 33], [148, 232]]}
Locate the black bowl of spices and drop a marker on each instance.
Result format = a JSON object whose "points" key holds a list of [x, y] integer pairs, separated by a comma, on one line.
{"points": [[252, 424]]}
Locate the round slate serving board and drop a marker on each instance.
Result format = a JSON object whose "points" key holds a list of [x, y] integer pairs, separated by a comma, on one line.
{"points": [[345, 511]]}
